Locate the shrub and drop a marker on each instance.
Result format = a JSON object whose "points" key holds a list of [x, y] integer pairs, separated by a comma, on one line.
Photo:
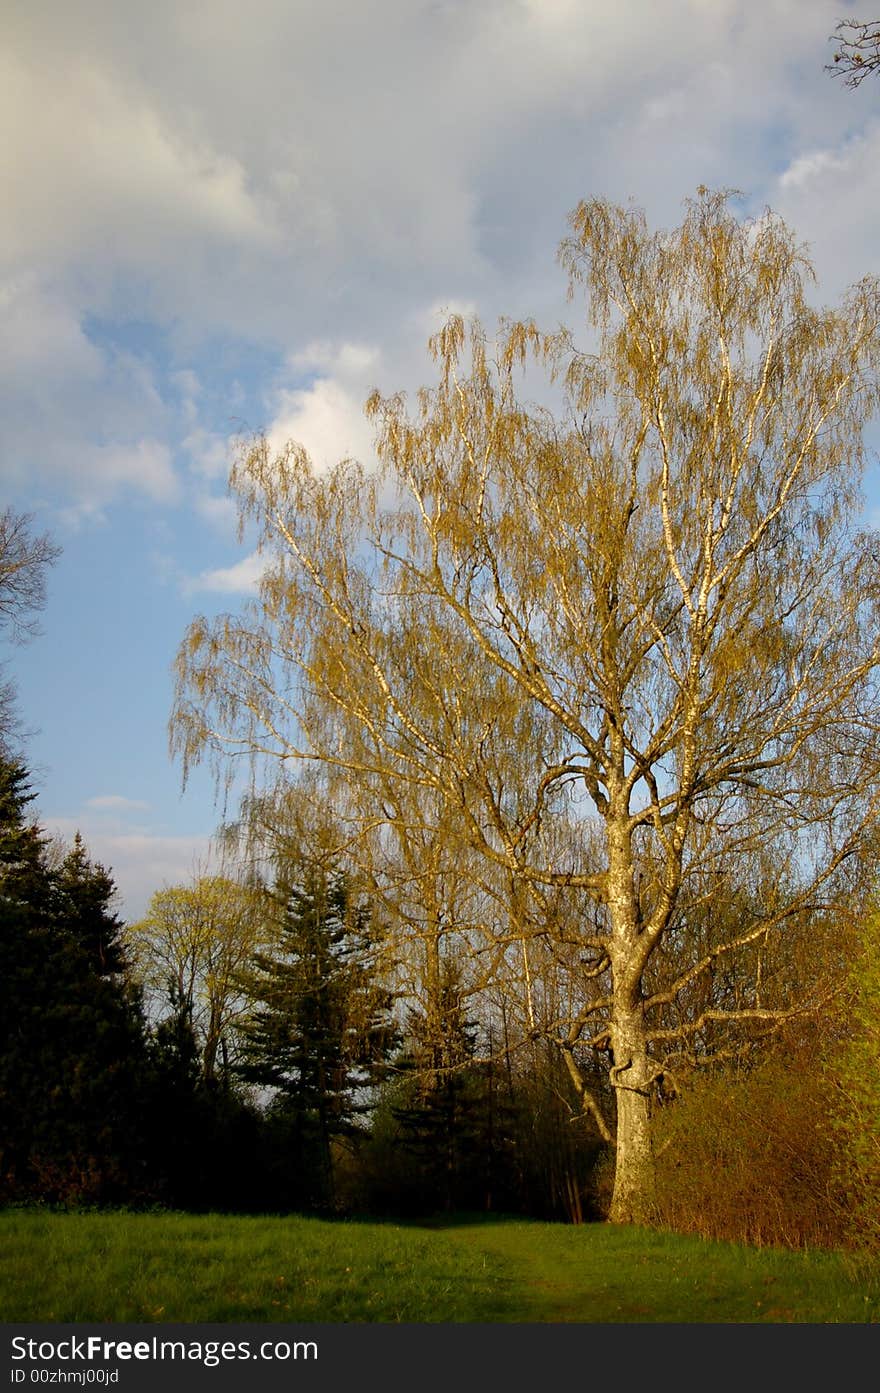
{"points": [[749, 1155]]}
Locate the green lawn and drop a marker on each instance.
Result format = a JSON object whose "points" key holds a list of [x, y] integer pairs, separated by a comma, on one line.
{"points": [[179, 1267]]}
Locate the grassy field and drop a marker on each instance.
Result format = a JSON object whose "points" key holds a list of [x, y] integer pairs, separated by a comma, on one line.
{"points": [[179, 1267]]}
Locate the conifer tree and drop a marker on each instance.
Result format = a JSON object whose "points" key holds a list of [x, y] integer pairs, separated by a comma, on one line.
{"points": [[72, 1045], [321, 1029], [86, 890]]}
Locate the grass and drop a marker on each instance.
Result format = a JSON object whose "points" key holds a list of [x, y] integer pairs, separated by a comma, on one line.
{"points": [[138, 1268]]}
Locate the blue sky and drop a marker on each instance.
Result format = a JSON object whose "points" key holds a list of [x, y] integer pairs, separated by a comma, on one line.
{"points": [[221, 218]]}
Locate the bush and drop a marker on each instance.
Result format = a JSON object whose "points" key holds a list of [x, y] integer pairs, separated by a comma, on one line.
{"points": [[749, 1155], [856, 1067]]}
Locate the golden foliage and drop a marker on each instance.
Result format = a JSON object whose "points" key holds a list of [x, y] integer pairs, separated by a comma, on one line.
{"points": [[651, 598]]}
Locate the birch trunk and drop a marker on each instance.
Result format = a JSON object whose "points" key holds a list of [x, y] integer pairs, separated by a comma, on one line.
{"points": [[633, 1196], [632, 1200]]}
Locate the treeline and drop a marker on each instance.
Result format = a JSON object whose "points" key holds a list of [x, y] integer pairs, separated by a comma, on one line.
{"points": [[246, 1048], [96, 1106], [266, 1045]]}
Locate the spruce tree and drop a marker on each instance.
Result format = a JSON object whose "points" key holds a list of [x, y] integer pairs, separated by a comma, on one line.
{"points": [[320, 1032], [72, 1046], [445, 1104], [85, 890]]}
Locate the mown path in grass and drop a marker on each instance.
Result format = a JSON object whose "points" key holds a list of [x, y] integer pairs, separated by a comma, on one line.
{"points": [[599, 1273], [181, 1267]]}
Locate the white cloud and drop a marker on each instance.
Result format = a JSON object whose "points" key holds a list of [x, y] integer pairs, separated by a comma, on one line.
{"points": [[348, 361], [101, 158], [297, 173], [144, 465], [188, 384], [807, 168], [221, 513], [830, 196], [436, 315], [317, 184], [327, 417], [242, 578], [86, 417], [143, 863], [41, 334]]}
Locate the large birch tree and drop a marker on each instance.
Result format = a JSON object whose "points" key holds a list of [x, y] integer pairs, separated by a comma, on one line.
{"points": [[621, 647]]}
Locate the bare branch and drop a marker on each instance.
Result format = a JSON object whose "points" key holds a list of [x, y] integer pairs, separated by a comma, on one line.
{"points": [[858, 50]]}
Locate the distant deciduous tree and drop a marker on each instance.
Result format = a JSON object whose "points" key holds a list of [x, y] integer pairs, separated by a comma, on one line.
{"points": [[24, 560], [856, 1068], [189, 951]]}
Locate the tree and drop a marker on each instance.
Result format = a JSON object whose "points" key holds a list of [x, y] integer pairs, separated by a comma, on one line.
{"points": [[858, 51], [23, 562], [319, 1029], [72, 1047], [645, 610], [207, 1147], [191, 948], [86, 891], [440, 1098]]}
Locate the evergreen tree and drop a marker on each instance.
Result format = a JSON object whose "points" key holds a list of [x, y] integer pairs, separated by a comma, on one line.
{"points": [[72, 1045], [321, 1030], [24, 885], [85, 890], [209, 1148], [451, 1118]]}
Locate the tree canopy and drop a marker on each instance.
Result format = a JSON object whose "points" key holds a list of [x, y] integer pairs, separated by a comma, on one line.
{"points": [[190, 948]]}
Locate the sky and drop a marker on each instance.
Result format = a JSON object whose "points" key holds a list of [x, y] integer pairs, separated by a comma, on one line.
{"points": [[222, 218]]}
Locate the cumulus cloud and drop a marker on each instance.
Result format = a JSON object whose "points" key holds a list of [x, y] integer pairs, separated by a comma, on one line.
{"points": [[242, 578], [208, 453], [219, 511], [143, 863], [86, 417], [141, 856], [211, 207], [143, 464], [300, 173], [103, 154], [327, 416], [809, 168]]}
